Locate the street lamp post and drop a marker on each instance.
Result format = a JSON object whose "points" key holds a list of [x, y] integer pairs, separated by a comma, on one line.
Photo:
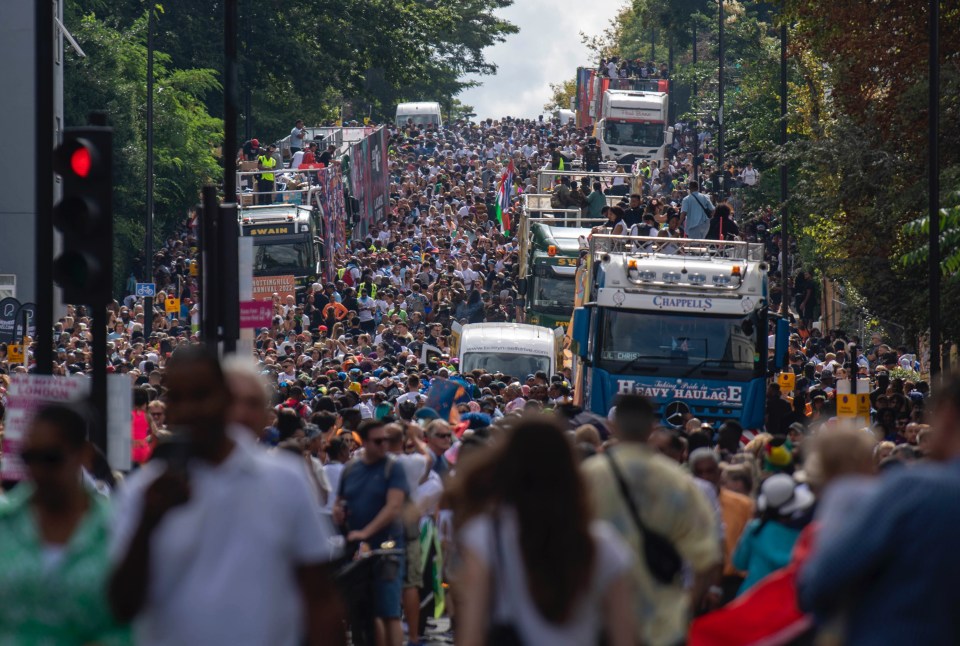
{"points": [[148, 218], [784, 216], [933, 184], [720, 54], [696, 135]]}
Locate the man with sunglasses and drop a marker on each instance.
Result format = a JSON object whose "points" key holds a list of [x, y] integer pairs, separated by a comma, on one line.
{"points": [[370, 499]]}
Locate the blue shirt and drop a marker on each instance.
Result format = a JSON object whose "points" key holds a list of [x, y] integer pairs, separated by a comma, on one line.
{"points": [[893, 567], [364, 488], [693, 205]]}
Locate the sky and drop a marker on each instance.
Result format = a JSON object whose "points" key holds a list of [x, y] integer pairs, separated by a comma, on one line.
{"points": [[546, 50]]}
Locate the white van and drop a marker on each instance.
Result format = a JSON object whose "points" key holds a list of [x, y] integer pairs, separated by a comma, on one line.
{"points": [[565, 116], [423, 113], [511, 348]]}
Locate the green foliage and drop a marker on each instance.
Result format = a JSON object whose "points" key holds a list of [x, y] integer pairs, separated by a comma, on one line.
{"points": [[905, 374], [918, 231], [561, 95], [309, 58], [856, 145], [186, 138], [456, 109]]}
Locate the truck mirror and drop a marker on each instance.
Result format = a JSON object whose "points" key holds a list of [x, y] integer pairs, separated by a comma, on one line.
{"points": [[522, 286], [581, 331]]}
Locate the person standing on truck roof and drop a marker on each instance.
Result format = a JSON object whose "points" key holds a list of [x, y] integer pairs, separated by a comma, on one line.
{"points": [[596, 200], [327, 155], [296, 137], [695, 213], [591, 156], [265, 181]]}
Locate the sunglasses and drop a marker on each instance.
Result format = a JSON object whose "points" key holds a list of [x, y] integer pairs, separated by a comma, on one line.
{"points": [[43, 457]]}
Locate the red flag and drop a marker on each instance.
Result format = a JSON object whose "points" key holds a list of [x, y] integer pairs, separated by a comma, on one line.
{"points": [[765, 615]]}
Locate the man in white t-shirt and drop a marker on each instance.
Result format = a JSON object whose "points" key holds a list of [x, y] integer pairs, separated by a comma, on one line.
{"points": [[470, 275], [750, 176], [296, 136], [201, 531], [413, 392]]}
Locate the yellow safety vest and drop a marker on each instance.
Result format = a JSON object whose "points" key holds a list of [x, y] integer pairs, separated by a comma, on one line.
{"points": [[371, 289], [267, 162]]}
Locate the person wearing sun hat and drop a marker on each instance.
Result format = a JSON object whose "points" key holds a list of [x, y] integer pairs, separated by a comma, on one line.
{"points": [[784, 508]]}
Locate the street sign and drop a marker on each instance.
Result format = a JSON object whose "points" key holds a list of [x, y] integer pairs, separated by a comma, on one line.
{"points": [[787, 382], [863, 405], [146, 290], [28, 394], [264, 287], [15, 353], [255, 314], [172, 305], [846, 406]]}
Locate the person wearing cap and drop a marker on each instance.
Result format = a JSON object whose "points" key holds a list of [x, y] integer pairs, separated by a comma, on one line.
{"points": [[784, 508]]}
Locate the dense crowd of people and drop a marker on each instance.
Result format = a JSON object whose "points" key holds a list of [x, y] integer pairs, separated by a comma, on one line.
{"points": [[503, 505]]}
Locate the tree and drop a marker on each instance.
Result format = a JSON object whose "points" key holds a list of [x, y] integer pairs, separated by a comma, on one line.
{"points": [[186, 138], [856, 150], [561, 94], [306, 59]]}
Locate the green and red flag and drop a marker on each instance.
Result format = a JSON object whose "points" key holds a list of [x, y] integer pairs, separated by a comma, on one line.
{"points": [[504, 190]]}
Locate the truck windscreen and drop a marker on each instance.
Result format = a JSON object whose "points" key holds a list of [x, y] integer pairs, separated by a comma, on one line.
{"points": [[627, 133], [422, 119], [554, 292], [634, 342], [517, 366], [282, 257]]}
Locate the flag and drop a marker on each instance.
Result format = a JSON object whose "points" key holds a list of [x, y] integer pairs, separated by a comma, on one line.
{"points": [[504, 190], [765, 615], [442, 397], [430, 539]]}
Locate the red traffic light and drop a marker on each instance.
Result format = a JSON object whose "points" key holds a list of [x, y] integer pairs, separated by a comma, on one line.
{"points": [[81, 161], [79, 157]]}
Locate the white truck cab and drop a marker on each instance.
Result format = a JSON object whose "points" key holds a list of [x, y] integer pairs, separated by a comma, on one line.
{"points": [[514, 349], [422, 113]]}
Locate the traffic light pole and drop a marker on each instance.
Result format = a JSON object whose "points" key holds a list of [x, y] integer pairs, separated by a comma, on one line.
{"points": [[211, 268], [784, 213], [229, 287], [43, 231]]}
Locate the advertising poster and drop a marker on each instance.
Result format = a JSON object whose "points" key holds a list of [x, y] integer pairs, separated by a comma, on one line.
{"points": [[27, 395], [264, 287]]}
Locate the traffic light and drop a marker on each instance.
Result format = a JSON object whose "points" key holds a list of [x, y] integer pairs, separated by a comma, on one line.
{"points": [[84, 269]]}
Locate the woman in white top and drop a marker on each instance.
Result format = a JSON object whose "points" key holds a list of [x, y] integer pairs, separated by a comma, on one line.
{"points": [[532, 558]]}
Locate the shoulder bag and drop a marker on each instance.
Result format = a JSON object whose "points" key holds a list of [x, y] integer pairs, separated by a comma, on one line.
{"points": [[661, 556]]}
